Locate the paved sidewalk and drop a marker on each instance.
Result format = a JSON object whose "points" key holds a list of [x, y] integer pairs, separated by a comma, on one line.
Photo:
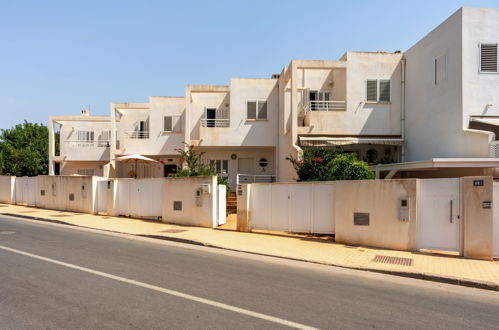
{"points": [[322, 250]]}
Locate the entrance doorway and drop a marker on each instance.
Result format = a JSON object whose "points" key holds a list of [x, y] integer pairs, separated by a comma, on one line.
{"points": [[439, 220]]}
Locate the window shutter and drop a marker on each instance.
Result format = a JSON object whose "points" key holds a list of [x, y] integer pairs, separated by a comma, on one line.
{"points": [[384, 90], [262, 110], [488, 58], [176, 124], [372, 90], [168, 124], [252, 110]]}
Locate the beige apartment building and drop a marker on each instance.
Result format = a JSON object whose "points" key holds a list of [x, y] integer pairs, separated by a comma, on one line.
{"points": [[434, 106]]}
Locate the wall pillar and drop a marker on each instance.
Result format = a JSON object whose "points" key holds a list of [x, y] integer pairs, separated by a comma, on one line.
{"points": [[477, 217]]}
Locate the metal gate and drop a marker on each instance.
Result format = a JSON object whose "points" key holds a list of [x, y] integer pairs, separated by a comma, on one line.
{"points": [[25, 190], [140, 198], [495, 221], [295, 207], [439, 215]]}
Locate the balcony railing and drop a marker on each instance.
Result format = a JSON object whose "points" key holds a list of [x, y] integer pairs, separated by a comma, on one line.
{"points": [[88, 144], [137, 134], [255, 178], [215, 122], [325, 106], [494, 149]]}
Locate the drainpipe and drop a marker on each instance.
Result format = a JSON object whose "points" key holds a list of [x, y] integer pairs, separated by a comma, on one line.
{"points": [[402, 117]]}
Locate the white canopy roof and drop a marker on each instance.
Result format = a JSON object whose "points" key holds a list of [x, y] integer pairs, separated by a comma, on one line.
{"points": [[135, 159], [324, 141]]}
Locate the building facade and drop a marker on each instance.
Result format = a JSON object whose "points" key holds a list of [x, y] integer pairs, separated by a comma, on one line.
{"points": [[397, 111]]}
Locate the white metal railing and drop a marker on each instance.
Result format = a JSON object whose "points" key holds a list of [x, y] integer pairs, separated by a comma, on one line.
{"points": [[494, 149], [325, 106], [225, 122], [137, 134], [88, 144], [255, 178]]}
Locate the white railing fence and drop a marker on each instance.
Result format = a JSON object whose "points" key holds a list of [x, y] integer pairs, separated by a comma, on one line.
{"points": [[255, 178], [215, 122], [325, 106], [88, 144], [494, 149], [137, 134]]}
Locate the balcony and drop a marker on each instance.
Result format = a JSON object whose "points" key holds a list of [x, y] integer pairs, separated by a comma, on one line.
{"points": [[215, 122], [88, 144], [137, 134], [325, 106]]}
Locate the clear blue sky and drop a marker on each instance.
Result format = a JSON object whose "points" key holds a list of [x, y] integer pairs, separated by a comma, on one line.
{"points": [[57, 57]]}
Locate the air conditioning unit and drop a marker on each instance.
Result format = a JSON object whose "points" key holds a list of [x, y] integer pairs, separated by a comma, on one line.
{"points": [[85, 112]]}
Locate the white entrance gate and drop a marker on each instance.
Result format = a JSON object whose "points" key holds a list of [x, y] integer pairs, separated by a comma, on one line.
{"points": [[439, 215], [293, 207], [102, 196], [495, 221], [140, 198]]}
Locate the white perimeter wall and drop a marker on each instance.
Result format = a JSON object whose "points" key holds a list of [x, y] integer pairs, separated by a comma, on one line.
{"points": [[193, 213], [7, 185]]}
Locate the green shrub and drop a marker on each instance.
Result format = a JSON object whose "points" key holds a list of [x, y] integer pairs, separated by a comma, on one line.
{"points": [[321, 164]]}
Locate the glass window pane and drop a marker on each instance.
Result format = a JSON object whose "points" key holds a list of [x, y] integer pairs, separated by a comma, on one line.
{"points": [[168, 123], [251, 110], [372, 90], [262, 110], [384, 90]]}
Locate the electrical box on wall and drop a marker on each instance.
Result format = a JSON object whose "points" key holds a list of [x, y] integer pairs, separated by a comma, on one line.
{"points": [[206, 188], [199, 196], [404, 208]]}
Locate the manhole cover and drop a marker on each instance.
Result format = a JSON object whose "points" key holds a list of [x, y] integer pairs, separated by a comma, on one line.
{"points": [[393, 260], [6, 232], [172, 231]]}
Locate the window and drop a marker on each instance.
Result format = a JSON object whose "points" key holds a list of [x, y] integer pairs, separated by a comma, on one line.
{"points": [[319, 100], [85, 171], [440, 68], [378, 90], [221, 166], [488, 58], [85, 138], [171, 124], [104, 138], [257, 110], [372, 91], [384, 90]]}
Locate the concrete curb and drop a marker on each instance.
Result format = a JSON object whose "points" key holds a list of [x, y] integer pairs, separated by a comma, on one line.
{"points": [[422, 276]]}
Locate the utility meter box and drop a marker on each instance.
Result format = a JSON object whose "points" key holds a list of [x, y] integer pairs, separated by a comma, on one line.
{"points": [[206, 188], [404, 208], [199, 196]]}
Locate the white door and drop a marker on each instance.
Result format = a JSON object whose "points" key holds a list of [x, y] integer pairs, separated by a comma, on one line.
{"points": [[245, 169], [495, 221], [101, 197], [439, 220], [222, 205]]}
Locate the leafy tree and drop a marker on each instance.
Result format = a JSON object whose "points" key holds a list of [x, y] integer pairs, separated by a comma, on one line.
{"points": [[321, 164], [24, 150], [192, 165]]}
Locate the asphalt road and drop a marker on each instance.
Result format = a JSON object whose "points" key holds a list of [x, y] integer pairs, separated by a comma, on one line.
{"points": [[60, 277]]}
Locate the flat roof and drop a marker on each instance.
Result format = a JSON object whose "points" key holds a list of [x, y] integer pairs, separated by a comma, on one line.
{"points": [[440, 162]]}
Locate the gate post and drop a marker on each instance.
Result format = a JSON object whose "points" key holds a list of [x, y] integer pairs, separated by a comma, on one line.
{"points": [[243, 207]]}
